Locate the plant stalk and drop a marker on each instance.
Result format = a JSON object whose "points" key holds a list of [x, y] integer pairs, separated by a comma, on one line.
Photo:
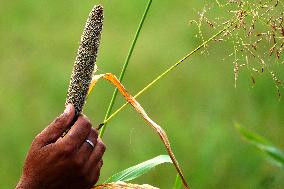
{"points": [[181, 61], [107, 117], [123, 71], [168, 70]]}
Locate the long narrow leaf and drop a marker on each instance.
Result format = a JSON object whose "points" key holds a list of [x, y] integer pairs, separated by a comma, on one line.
{"points": [[159, 130], [178, 183], [123, 71], [139, 169], [272, 152]]}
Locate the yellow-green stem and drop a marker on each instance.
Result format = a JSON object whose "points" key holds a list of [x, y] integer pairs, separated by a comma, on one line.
{"points": [[124, 67], [182, 60], [168, 70]]}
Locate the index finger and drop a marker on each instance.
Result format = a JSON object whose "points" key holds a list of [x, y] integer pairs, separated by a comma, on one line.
{"points": [[77, 135]]}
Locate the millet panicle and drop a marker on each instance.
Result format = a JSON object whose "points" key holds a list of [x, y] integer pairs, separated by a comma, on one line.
{"points": [[86, 59]]}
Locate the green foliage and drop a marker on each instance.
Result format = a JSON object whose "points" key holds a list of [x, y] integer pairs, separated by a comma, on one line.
{"points": [[178, 183], [256, 36], [195, 104], [272, 152], [123, 70], [139, 169]]}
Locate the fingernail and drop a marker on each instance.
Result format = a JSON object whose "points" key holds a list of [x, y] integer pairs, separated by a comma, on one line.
{"points": [[67, 109]]}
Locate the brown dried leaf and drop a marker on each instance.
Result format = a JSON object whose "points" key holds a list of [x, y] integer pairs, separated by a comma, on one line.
{"points": [[123, 185], [112, 78]]}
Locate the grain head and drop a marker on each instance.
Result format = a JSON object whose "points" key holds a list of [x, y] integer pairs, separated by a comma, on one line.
{"points": [[86, 59]]}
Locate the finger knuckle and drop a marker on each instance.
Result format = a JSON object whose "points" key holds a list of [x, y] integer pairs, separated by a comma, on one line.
{"points": [[95, 133], [78, 163], [83, 176], [92, 181], [71, 136], [101, 163], [58, 126], [61, 119], [84, 173], [86, 121], [101, 145], [96, 178], [68, 148], [88, 179], [37, 138]]}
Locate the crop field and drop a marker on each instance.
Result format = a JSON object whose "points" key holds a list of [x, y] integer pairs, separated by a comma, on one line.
{"points": [[234, 79]]}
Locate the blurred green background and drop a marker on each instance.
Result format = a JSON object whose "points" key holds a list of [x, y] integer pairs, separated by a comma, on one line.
{"points": [[196, 104]]}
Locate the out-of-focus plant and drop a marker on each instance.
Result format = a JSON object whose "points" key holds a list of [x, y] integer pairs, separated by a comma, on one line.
{"points": [[255, 30], [139, 169], [83, 79], [274, 154], [256, 34]]}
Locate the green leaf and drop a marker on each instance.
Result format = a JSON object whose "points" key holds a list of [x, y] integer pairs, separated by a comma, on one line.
{"points": [[273, 153], [178, 183], [139, 169]]}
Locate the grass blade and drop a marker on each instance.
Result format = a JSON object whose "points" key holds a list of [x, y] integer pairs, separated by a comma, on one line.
{"points": [[139, 169], [174, 66], [159, 130], [272, 152], [168, 71], [125, 66], [178, 183]]}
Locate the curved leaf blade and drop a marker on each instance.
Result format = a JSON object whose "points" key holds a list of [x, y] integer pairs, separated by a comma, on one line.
{"points": [[178, 183], [272, 152], [139, 169]]}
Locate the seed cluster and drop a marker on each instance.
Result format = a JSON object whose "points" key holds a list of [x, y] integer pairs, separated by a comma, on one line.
{"points": [[255, 33], [86, 59]]}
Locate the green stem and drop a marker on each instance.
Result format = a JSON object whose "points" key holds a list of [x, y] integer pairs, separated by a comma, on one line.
{"points": [[124, 67], [182, 60], [178, 182], [169, 70]]}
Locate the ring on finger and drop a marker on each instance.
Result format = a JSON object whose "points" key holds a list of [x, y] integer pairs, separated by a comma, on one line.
{"points": [[90, 143]]}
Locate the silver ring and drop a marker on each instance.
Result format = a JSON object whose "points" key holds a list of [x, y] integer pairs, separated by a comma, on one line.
{"points": [[90, 142]]}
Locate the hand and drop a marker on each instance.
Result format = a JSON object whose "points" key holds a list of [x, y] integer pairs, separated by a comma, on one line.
{"points": [[68, 162]]}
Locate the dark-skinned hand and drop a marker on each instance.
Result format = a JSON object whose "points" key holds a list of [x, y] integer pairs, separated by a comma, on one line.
{"points": [[68, 162]]}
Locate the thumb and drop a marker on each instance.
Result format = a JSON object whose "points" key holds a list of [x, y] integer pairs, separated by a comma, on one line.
{"points": [[51, 133]]}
